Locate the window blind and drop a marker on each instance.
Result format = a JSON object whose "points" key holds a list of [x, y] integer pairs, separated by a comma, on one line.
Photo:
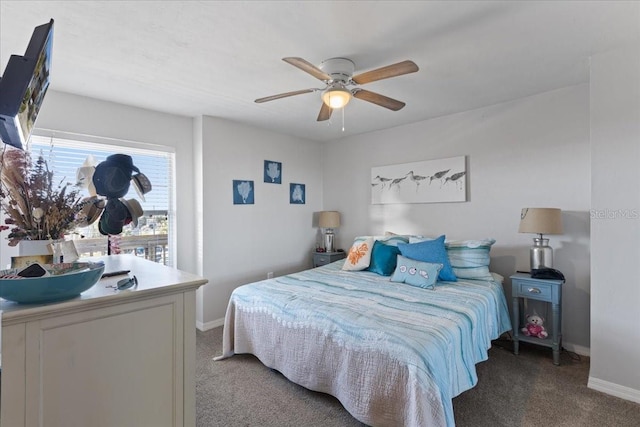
{"points": [[65, 156]]}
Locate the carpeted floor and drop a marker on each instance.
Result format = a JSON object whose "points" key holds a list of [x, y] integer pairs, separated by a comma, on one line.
{"points": [[525, 390]]}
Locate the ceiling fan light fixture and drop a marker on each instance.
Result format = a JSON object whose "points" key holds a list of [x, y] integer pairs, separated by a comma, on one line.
{"points": [[336, 97], [337, 75]]}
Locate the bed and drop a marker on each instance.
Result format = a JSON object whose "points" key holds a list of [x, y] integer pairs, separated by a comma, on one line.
{"points": [[392, 354]]}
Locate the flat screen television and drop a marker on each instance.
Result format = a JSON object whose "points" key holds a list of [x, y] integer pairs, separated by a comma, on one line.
{"points": [[23, 87]]}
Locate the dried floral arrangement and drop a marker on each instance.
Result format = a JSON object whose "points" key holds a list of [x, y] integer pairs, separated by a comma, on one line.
{"points": [[37, 208]]}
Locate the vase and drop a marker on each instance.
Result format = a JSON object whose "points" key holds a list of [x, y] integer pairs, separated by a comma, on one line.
{"points": [[34, 247]]}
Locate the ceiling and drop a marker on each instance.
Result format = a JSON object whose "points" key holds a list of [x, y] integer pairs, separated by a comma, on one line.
{"points": [[214, 58]]}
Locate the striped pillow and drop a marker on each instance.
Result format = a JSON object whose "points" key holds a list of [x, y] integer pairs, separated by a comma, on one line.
{"points": [[389, 239], [470, 258], [392, 240]]}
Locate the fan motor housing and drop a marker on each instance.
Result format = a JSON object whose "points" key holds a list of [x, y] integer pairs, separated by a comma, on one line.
{"points": [[340, 69]]}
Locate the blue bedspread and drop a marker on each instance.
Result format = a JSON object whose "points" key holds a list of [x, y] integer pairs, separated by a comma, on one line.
{"points": [[437, 336]]}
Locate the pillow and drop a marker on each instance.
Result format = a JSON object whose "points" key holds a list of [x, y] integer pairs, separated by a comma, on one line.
{"points": [[416, 273], [383, 258], [359, 255], [430, 251], [392, 240], [470, 258], [418, 239]]}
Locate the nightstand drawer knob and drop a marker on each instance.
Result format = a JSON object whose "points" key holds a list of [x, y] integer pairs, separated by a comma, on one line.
{"points": [[534, 291]]}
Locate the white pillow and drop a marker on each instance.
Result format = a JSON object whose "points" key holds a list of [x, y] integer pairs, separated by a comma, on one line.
{"points": [[359, 255]]}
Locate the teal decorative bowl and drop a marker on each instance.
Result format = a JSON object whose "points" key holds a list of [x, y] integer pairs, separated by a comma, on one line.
{"points": [[60, 285]]}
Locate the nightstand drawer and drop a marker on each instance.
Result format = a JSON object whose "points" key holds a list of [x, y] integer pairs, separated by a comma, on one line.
{"points": [[534, 290], [322, 259]]}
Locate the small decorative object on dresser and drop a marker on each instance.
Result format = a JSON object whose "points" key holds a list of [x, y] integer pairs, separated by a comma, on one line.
{"points": [[324, 258], [550, 291], [34, 247], [38, 208]]}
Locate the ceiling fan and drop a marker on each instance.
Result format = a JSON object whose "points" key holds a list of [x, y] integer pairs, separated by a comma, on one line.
{"points": [[337, 74]]}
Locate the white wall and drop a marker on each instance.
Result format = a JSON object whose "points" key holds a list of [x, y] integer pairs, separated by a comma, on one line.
{"points": [[532, 152], [242, 243], [615, 227], [74, 116]]}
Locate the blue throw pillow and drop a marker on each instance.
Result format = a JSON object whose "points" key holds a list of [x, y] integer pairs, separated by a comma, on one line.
{"points": [[383, 258], [432, 251], [416, 273]]}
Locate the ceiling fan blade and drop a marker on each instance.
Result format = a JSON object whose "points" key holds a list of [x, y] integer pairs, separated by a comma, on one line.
{"points": [[307, 67], [404, 67], [284, 95], [325, 113], [376, 98]]}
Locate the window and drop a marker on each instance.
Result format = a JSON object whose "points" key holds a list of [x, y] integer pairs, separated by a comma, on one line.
{"points": [[152, 236]]}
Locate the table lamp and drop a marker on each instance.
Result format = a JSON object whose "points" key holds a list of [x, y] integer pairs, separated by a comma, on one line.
{"points": [[541, 221], [329, 220]]}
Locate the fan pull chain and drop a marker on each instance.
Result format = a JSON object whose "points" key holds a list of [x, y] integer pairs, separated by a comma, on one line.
{"points": [[342, 119]]}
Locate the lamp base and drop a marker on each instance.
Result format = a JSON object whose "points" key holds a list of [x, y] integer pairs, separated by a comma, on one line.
{"points": [[328, 242], [540, 254]]}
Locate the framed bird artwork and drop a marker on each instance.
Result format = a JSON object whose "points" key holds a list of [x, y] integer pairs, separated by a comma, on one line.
{"points": [[429, 181]]}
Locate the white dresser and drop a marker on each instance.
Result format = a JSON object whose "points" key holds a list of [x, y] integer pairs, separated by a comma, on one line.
{"points": [[107, 358]]}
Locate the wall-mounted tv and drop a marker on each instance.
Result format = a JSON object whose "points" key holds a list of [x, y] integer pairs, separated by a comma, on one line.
{"points": [[23, 87]]}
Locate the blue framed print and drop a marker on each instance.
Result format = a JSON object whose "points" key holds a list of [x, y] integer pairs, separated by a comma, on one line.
{"points": [[242, 192], [297, 194], [272, 172]]}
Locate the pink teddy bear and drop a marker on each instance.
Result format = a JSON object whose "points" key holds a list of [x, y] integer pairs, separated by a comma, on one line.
{"points": [[534, 327]]}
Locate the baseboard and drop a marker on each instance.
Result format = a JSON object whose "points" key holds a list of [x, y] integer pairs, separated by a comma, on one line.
{"points": [[616, 390], [209, 325], [578, 349]]}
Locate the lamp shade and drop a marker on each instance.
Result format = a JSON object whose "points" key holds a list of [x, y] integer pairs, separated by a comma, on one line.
{"points": [[336, 97], [329, 219], [541, 221]]}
